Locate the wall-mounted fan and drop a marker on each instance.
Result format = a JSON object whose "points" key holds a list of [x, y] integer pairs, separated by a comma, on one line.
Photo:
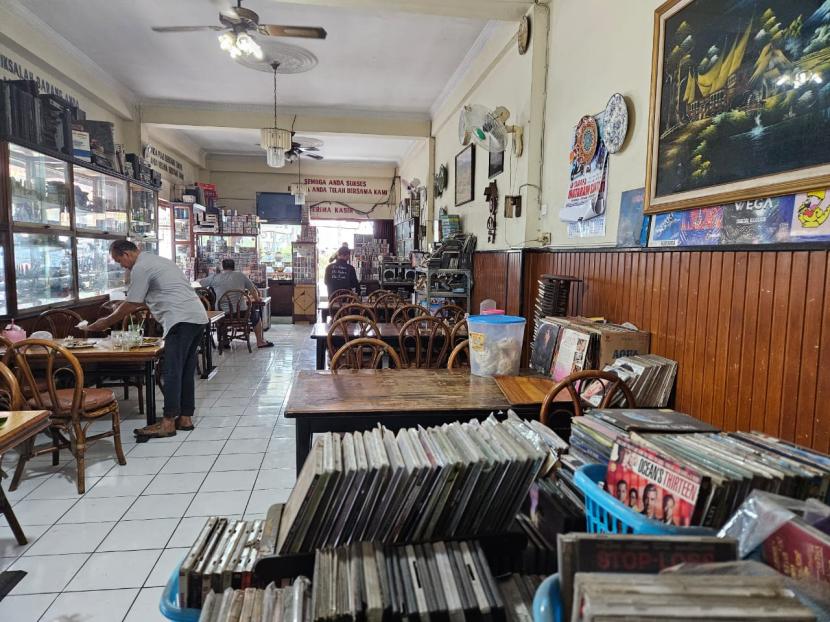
{"points": [[488, 129]]}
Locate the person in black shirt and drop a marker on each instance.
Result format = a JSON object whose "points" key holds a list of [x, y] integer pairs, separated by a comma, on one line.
{"points": [[341, 274]]}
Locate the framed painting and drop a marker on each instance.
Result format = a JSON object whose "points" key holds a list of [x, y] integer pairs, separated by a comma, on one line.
{"points": [[740, 101], [495, 164], [465, 170]]}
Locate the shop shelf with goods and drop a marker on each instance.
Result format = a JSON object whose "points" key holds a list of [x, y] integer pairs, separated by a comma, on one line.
{"points": [[367, 256], [184, 242], [212, 248], [304, 275], [453, 285], [57, 220]]}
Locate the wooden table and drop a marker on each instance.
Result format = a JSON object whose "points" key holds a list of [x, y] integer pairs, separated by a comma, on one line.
{"points": [[351, 400], [388, 334], [146, 355], [20, 427], [208, 368]]}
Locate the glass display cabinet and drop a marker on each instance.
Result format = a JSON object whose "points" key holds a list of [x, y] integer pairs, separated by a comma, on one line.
{"points": [[58, 217], [165, 229], [100, 202], [38, 186]]}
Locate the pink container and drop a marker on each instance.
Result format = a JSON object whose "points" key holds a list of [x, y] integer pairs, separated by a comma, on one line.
{"points": [[493, 312], [14, 333]]}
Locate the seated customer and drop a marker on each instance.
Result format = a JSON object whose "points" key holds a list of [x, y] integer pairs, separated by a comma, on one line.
{"points": [[229, 279]]}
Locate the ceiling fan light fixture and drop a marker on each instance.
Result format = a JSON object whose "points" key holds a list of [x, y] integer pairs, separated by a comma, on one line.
{"points": [[275, 157], [227, 41], [299, 198]]}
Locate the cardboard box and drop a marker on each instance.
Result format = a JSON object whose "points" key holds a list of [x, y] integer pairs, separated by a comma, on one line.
{"points": [[614, 344]]}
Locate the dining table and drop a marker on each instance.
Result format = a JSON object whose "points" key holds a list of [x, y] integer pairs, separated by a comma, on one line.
{"points": [[18, 427], [208, 368], [354, 400], [388, 333]]}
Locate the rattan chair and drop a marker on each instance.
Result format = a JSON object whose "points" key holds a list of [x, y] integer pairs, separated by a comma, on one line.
{"points": [[575, 385], [355, 308], [386, 305], [460, 355], [460, 332], [372, 298], [11, 398], [342, 292], [72, 409], [237, 321], [405, 313], [60, 322], [424, 342], [349, 327], [451, 314], [364, 353]]}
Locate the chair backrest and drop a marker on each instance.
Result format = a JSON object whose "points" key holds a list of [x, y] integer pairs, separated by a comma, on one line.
{"points": [[142, 316], [460, 332], [341, 292], [60, 322], [405, 313], [451, 314], [377, 294], [364, 353], [424, 342], [356, 308], [577, 383], [11, 398], [236, 303], [386, 305], [460, 355], [350, 327], [337, 302], [108, 307], [49, 359], [206, 294]]}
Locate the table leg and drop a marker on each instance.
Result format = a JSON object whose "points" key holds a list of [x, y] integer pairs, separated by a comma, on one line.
{"points": [[6, 509], [150, 388], [303, 441], [207, 354], [321, 354]]}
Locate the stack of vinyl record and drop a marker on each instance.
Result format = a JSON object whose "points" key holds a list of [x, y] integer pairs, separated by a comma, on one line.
{"points": [[289, 604], [649, 376], [454, 481], [552, 299], [517, 592], [436, 581]]}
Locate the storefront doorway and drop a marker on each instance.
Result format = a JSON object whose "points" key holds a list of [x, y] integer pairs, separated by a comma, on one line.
{"points": [[330, 236]]}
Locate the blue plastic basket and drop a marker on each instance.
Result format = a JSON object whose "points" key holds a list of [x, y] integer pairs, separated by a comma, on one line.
{"points": [[169, 605], [605, 514], [547, 602]]}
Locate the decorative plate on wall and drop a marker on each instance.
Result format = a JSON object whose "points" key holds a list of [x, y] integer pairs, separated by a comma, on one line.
{"points": [[587, 138], [615, 124], [523, 36], [441, 179]]}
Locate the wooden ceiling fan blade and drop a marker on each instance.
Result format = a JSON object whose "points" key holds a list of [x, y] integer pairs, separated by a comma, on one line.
{"points": [[313, 155], [304, 32], [307, 149], [186, 28]]}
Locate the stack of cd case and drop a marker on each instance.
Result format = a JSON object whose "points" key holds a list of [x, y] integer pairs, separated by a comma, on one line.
{"points": [[286, 604]]}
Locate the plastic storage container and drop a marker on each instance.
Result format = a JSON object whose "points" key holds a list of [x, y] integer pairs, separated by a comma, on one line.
{"points": [[496, 344], [605, 514], [547, 602], [169, 606]]}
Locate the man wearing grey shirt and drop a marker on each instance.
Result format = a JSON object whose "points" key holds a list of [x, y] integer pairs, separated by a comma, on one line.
{"points": [[229, 279], [160, 284]]}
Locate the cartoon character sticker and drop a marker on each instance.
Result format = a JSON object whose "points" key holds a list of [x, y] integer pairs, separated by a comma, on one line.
{"points": [[811, 214]]}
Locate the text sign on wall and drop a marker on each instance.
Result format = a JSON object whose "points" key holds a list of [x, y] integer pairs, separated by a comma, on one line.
{"points": [[347, 189], [163, 162], [16, 70]]}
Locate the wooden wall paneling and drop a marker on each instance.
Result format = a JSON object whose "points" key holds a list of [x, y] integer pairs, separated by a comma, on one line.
{"points": [[766, 297], [778, 343], [793, 349], [821, 420], [808, 378], [513, 305], [734, 340], [698, 348], [681, 324], [489, 279], [749, 327], [703, 402], [724, 317]]}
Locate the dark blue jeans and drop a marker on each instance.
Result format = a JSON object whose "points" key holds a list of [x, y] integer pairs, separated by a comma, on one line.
{"points": [[180, 347]]}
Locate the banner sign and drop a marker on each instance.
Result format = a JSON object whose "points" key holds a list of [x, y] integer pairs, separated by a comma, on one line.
{"points": [[349, 198], [17, 71], [163, 162]]}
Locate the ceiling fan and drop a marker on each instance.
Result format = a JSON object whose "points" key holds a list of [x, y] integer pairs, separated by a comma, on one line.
{"points": [[237, 25], [303, 146]]}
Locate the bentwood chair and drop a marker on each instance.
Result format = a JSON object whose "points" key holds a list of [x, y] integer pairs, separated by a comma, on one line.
{"points": [[237, 321], [405, 313], [378, 293], [577, 385], [355, 308], [460, 355], [72, 409], [108, 307], [386, 305], [364, 353], [342, 292], [60, 322], [460, 332], [349, 327], [11, 398], [424, 342], [451, 314]]}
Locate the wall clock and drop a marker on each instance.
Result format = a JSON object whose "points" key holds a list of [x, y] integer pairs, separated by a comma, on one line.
{"points": [[523, 36]]}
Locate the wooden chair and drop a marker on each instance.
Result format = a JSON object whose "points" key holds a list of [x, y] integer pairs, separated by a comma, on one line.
{"points": [[60, 322], [342, 299], [11, 398], [237, 321], [386, 305], [405, 313], [460, 332], [424, 342], [355, 308], [206, 294], [460, 354], [108, 307], [576, 383], [72, 409], [350, 327], [342, 292], [451, 314], [364, 353], [142, 315], [378, 293]]}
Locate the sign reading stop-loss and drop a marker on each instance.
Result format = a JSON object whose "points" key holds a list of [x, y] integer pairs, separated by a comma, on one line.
{"points": [[330, 197]]}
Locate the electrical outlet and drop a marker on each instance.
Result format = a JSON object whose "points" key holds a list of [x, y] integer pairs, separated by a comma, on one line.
{"points": [[544, 238]]}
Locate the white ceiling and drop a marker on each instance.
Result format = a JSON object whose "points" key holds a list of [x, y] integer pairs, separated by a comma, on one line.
{"points": [[372, 60], [336, 147]]}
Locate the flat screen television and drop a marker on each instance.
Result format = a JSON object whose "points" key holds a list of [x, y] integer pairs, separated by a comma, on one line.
{"points": [[278, 208]]}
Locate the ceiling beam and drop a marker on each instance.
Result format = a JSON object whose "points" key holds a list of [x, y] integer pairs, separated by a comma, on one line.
{"points": [[308, 120], [506, 10]]}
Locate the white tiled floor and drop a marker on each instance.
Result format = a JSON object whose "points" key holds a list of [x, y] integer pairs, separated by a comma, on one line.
{"points": [[105, 556]]}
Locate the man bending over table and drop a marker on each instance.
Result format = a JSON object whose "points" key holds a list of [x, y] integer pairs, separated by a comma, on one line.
{"points": [[161, 285]]}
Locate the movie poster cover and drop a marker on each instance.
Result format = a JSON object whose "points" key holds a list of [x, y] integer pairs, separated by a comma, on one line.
{"points": [[571, 353], [665, 229], [701, 227], [811, 216], [632, 230], [651, 486], [759, 221]]}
